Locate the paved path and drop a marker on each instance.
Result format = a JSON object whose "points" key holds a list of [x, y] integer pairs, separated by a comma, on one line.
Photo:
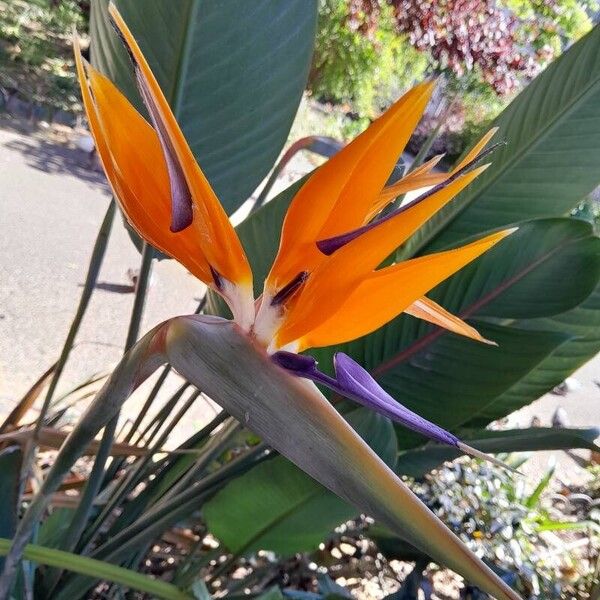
{"points": [[51, 205]]}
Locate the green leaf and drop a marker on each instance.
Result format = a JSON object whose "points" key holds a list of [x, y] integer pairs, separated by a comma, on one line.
{"points": [[99, 570], [552, 158], [524, 276], [54, 527], [277, 507], [533, 500], [10, 474], [233, 72], [261, 231], [418, 462], [462, 377], [200, 590], [583, 322]]}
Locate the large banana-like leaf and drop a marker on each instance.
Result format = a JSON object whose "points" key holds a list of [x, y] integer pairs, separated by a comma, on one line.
{"points": [[277, 506], [551, 161], [233, 72], [583, 322], [287, 412], [418, 462]]}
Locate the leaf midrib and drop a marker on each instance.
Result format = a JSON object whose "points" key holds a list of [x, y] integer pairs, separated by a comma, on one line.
{"points": [[426, 340]]}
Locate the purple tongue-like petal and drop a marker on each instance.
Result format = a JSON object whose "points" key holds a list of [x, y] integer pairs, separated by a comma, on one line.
{"points": [[355, 383], [181, 198], [304, 366]]}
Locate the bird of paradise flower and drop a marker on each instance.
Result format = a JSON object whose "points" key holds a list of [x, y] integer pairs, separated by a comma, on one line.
{"points": [[326, 285]]}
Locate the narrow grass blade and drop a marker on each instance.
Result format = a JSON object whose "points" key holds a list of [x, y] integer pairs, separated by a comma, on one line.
{"points": [[99, 570]]}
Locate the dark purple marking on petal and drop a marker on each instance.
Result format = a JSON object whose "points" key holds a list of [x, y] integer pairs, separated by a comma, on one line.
{"points": [[216, 277], [330, 245], [181, 198], [290, 289], [355, 383], [123, 40]]}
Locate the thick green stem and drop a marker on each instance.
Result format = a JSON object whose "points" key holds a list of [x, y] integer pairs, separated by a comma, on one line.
{"points": [[140, 296]]}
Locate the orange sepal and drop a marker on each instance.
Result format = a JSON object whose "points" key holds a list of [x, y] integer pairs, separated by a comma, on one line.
{"points": [[337, 276], [423, 177], [430, 311], [338, 196], [140, 166], [217, 238], [476, 149], [388, 292]]}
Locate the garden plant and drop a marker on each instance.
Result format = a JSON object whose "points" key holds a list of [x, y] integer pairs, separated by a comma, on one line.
{"points": [[437, 316]]}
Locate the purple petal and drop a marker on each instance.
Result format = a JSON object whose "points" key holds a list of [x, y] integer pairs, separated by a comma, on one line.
{"points": [[181, 197], [355, 383], [361, 387], [303, 366]]}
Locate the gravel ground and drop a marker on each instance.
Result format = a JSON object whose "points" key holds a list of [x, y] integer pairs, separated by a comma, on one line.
{"points": [[51, 204]]}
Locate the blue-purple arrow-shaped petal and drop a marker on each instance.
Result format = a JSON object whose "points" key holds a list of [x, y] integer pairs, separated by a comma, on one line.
{"points": [[354, 382]]}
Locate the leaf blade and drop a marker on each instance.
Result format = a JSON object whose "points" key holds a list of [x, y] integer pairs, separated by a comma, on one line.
{"points": [[233, 72], [99, 570], [552, 158]]}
